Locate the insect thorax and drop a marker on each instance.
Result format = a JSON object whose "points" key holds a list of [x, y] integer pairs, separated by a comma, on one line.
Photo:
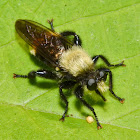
{"points": [[76, 61]]}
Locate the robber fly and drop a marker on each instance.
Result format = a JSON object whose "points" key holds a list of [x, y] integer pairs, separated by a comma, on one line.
{"points": [[70, 64]]}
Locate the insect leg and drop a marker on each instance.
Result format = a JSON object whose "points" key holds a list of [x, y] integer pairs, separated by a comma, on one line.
{"points": [[66, 85], [111, 85], [77, 40], [42, 73], [51, 24], [79, 94], [97, 91], [95, 58]]}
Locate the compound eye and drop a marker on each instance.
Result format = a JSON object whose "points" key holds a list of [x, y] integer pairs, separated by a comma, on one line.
{"points": [[101, 74], [91, 84]]}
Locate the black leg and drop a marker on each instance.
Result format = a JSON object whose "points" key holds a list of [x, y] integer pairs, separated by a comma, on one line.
{"points": [[51, 24], [42, 73], [79, 94], [97, 91], [66, 102], [111, 85], [77, 40], [95, 58], [65, 85]]}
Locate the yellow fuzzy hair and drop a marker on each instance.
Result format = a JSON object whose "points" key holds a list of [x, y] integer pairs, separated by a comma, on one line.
{"points": [[102, 87], [76, 61]]}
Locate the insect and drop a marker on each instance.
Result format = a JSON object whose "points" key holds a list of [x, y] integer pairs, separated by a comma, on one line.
{"points": [[70, 64]]}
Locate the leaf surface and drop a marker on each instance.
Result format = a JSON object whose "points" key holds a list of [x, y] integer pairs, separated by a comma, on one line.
{"points": [[32, 110]]}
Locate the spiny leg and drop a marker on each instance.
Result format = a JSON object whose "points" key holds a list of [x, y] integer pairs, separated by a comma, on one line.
{"points": [[111, 85], [42, 73], [95, 58], [65, 85], [79, 94], [77, 40], [97, 91], [51, 24]]}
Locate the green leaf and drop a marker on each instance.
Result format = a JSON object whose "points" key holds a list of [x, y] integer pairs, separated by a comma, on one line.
{"points": [[32, 110]]}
